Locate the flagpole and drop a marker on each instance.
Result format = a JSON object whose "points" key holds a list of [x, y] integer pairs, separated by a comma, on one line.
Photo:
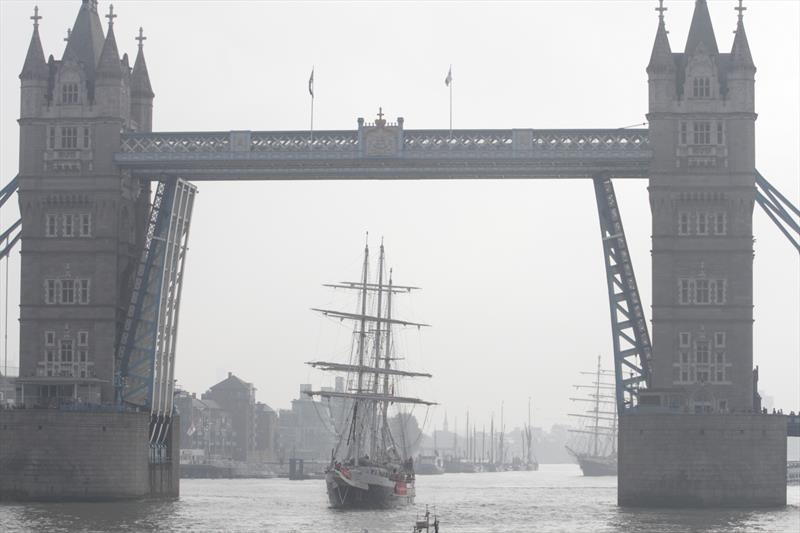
{"points": [[312, 121], [311, 91], [450, 85]]}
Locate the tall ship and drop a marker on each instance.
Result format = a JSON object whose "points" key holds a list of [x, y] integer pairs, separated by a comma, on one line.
{"points": [[594, 442], [529, 461], [369, 468]]}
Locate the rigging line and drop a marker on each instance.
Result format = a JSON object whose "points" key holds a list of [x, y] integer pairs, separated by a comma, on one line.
{"points": [[332, 428], [5, 317], [422, 429], [5, 314], [633, 126]]}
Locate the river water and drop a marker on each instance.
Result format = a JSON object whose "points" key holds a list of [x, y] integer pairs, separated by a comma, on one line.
{"points": [[556, 498]]}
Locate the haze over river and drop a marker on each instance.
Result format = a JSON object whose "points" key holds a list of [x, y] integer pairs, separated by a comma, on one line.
{"points": [[557, 498]]}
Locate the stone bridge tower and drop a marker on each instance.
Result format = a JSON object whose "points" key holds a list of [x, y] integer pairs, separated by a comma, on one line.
{"points": [[702, 189], [705, 444], [82, 219]]}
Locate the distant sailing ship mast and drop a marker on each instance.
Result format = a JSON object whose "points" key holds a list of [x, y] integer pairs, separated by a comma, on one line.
{"points": [[531, 463], [598, 456], [366, 437]]}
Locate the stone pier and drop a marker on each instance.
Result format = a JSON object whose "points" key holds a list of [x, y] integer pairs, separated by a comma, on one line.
{"points": [[47, 454], [703, 460]]}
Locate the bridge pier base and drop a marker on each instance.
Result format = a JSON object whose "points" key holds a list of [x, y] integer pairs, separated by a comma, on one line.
{"points": [[53, 455], [702, 460]]}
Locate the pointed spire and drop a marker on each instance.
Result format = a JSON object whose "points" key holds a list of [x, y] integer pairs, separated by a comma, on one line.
{"points": [[140, 79], [661, 57], [34, 66], [108, 65], [86, 38], [740, 52], [701, 30]]}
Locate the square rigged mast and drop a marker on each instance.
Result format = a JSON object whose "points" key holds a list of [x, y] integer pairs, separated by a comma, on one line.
{"points": [[372, 375]]}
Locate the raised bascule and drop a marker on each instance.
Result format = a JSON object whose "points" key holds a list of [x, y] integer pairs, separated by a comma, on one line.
{"points": [[106, 208]]}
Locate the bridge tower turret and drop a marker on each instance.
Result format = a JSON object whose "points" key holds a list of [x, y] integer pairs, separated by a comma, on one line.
{"points": [[34, 75], [80, 215], [141, 91], [702, 187]]}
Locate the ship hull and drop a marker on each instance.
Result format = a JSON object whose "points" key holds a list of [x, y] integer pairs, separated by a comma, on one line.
{"points": [[429, 465], [367, 491], [428, 469], [598, 466]]}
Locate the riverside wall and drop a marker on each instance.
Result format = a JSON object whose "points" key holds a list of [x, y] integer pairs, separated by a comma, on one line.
{"points": [[81, 456], [703, 460]]}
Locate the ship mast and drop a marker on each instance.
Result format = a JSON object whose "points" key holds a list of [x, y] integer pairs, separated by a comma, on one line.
{"points": [[597, 408], [467, 450], [377, 345], [491, 440], [502, 431], [370, 399], [529, 434], [474, 440], [614, 433], [387, 360], [362, 337], [483, 444]]}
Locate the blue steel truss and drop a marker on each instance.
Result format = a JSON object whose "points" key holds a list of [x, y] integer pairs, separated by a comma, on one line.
{"points": [[136, 348], [8, 239], [779, 209], [630, 335], [9, 189], [146, 348]]}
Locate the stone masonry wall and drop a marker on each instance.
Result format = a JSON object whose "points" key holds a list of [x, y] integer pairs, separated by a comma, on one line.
{"points": [[57, 455], [683, 460]]}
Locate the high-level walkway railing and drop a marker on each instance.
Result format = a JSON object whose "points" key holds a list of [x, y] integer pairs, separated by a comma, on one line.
{"points": [[388, 152]]}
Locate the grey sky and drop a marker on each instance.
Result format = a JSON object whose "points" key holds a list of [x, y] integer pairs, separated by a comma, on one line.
{"points": [[512, 271]]}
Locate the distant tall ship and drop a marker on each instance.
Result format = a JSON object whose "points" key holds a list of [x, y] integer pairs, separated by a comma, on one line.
{"points": [[530, 462], [594, 442], [368, 469]]}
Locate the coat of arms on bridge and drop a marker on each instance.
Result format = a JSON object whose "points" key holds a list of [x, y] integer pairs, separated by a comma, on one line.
{"points": [[380, 138]]}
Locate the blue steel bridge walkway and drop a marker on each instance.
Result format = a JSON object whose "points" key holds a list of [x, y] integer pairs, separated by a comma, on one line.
{"points": [[387, 151]]}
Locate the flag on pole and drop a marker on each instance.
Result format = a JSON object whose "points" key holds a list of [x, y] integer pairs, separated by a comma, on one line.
{"points": [[311, 92], [449, 82]]}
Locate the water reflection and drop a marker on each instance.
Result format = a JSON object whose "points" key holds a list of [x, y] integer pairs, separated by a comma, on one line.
{"points": [[556, 498]]}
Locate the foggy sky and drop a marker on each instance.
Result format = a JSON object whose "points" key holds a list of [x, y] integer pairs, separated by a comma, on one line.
{"points": [[512, 271]]}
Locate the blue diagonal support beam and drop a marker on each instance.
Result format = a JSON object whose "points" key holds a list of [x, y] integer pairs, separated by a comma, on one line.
{"points": [[779, 209], [9, 190], [7, 242], [630, 335], [6, 249]]}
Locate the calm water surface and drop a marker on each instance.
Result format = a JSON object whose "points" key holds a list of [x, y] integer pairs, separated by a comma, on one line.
{"points": [[556, 498]]}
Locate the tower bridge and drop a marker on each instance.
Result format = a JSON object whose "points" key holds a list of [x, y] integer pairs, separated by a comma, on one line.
{"points": [[106, 208]]}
